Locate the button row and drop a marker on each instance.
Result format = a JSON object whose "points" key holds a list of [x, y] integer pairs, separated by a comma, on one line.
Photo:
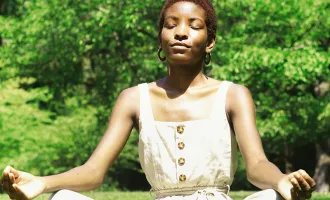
{"points": [[181, 145]]}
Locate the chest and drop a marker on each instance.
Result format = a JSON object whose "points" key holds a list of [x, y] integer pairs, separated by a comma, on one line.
{"points": [[183, 108]]}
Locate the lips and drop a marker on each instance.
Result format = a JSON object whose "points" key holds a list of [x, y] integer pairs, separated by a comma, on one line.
{"points": [[180, 44]]}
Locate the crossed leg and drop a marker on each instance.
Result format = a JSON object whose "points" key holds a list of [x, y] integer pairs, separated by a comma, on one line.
{"points": [[68, 195], [265, 195]]}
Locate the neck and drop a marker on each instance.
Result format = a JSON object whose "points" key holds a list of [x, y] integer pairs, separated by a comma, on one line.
{"points": [[182, 77]]}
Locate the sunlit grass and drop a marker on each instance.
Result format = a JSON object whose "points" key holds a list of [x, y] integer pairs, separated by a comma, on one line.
{"points": [[237, 195]]}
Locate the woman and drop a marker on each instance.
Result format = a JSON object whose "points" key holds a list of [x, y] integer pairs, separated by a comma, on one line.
{"points": [[187, 123]]}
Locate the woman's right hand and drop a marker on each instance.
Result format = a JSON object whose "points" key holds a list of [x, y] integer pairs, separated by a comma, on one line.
{"points": [[21, 185]]}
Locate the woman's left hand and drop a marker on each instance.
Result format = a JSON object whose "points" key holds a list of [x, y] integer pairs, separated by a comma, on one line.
{"points": [[297, 185]]}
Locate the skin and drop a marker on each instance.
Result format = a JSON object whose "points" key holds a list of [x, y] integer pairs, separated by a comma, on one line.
{"points": [[185, 82]]}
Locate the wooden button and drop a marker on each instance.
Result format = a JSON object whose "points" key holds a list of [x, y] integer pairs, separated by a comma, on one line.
{"points": [[180, 129], [182, 177], [181, 161], [181, 145]]}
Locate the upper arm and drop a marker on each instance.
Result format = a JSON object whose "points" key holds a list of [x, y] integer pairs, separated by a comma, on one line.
{"points": [[119, 128], [240, 107]]}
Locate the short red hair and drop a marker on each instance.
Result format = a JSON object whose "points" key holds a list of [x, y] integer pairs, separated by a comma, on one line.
{"points": [[210, 16]]}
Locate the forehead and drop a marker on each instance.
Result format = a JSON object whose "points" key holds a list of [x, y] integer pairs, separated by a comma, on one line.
{"points": [[185, 9]]}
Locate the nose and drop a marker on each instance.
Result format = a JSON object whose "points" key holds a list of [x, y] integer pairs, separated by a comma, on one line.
{"points": [[181, 33]]}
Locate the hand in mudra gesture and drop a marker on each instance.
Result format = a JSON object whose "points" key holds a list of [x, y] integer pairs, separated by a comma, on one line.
{"points": [[21, 185], [297, 185]]}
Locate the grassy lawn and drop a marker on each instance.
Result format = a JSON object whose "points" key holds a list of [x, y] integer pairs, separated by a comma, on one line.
{"points": [[146, 196]]}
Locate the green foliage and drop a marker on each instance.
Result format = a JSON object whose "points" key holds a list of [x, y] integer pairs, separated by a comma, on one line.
{"points": [[32, 138], [63, 64], [280, 51]]}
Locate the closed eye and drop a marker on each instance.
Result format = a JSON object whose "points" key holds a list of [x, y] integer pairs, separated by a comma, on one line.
{"points": [[169, 26], [195, 28]]}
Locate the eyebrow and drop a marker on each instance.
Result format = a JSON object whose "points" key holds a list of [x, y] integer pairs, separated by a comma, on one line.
{"points": [[176, 18], [171, 17], [195, 18]]}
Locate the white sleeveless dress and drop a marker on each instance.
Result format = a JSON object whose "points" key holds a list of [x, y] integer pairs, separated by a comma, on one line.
{"points": [[192, 159]]}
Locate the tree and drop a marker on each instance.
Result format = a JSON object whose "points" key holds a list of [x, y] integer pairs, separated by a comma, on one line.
{"points": [[279, 50], [69, 65]]}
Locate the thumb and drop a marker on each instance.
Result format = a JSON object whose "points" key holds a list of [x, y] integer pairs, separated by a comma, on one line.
{"points": [[20, 195]]}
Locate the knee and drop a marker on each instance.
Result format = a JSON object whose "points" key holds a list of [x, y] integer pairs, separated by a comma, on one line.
{"points": [[268, 194], [60, 195], [68, 195]]}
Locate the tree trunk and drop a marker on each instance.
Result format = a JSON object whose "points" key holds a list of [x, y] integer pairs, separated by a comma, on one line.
{"points": [[322, 169], [287, 157], [2, 6]]}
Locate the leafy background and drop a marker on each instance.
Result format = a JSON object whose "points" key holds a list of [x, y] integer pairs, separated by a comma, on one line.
{"points": [[63, 64]]}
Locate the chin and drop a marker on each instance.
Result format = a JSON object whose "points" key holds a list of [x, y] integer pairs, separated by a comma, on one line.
{"points": [[180, 59]]}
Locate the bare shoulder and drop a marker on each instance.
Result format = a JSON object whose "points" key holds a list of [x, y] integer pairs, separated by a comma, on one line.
{"points": [[238, 97], [129, 100], [131, 93], [237, 90]]}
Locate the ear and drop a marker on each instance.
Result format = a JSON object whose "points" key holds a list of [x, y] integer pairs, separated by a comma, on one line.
{"points": [[209, 46]]}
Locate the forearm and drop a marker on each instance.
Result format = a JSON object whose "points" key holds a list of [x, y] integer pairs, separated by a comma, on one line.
{"points": [[78, 179], [265, 175]]}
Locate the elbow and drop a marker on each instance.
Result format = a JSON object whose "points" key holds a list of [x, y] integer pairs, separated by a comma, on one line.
{"points": [[96, 185], [93, 176], [253, 172], [96, 182], [249, 176], [253, 177]]}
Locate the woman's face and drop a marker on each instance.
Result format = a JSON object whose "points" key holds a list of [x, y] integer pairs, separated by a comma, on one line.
{"points": [[184, 35]]}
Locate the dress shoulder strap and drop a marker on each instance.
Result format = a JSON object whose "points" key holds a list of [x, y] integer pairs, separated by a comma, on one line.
{"points": [[219, 106], [145, 107]]}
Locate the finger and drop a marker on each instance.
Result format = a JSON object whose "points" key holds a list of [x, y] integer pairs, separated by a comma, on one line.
{"points": [[302, 182], [296, 187], [294, 195], [306, 189], [10, 186], [308, 179], [7, 169], [12, 170], [5, 181], [11, 182]]}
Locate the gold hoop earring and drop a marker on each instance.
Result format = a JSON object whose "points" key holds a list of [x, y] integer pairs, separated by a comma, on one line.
{"points": [[207, 59], [159, 56]]}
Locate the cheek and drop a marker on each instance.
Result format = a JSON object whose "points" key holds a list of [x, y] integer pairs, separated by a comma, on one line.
{"points": [[200, 40], [164, 37]]}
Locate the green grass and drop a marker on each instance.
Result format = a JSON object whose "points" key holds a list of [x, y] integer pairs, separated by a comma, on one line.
{"points": [[146, 196]]}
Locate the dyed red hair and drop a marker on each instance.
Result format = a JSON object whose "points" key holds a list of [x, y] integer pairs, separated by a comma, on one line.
{"points": [[210, 16]]}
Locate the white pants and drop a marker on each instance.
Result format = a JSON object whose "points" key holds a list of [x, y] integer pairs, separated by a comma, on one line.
{"points": [[214, 194], [68, 195], [262, 195], [265, 195]]}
